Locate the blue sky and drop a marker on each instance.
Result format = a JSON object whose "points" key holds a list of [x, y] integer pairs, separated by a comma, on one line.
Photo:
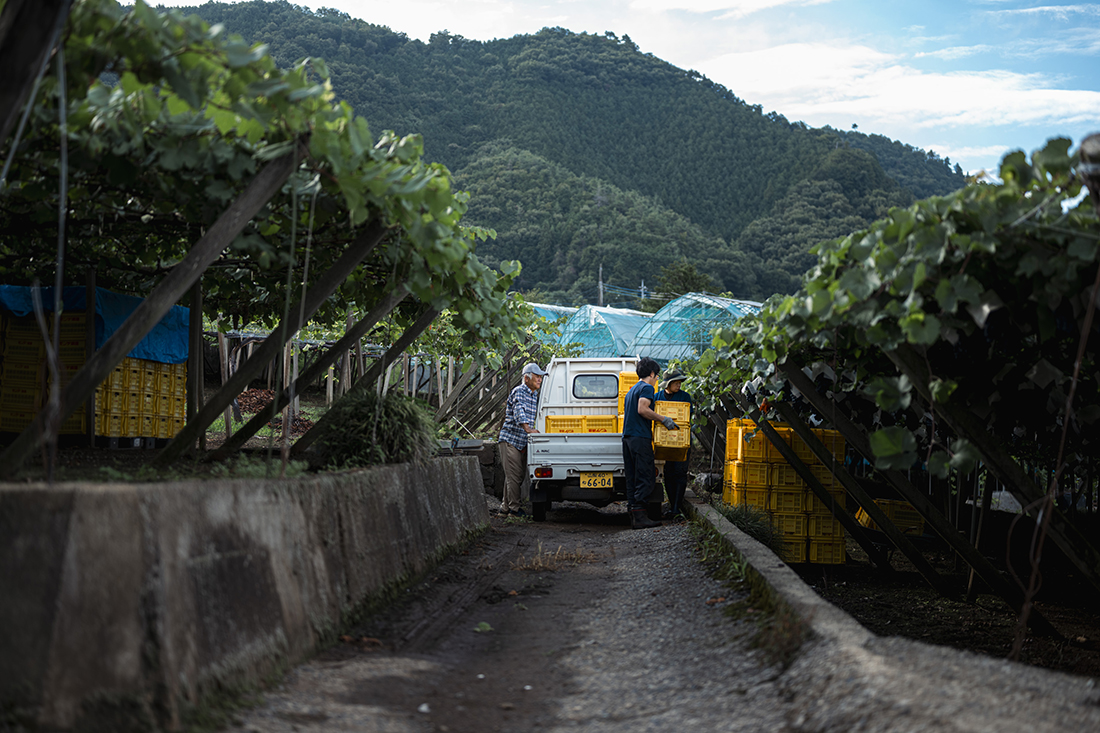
{"points": [[969, 79]]}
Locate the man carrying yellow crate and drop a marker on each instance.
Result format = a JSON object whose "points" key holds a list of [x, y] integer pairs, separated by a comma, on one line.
{"points": [[519, 422], [638, 465], [676, 472]]}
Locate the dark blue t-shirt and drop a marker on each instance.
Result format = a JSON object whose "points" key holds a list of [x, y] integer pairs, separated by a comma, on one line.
{"points": [[634, 425]]}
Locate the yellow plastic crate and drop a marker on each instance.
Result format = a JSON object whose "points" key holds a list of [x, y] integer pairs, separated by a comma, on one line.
{"points": [[824, 526], [147, 405], [827, 552], [681, 413], [131, 426], [791, 524], [110, 425], [744, 442], [817, 506], [21, 374], [794, 550], [177, 425], [565, 423], [71, 351], [801, 449], [773, 455], [901, 513], [163, 383], [20, 399], [833, 441], [661, 453], [147, 429], [824, 476], [626, 381], [179, 407], [784, 475], [24, 349], [788, 500], [601, 424], [149, 377], [750, 474], [749, 497], [15, 421], [161, 427], [117, 379]]}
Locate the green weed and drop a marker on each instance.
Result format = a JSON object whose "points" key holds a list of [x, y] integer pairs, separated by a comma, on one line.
{"points": [[368, 430]]}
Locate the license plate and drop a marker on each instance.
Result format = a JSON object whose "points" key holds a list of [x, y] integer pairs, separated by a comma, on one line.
{"points": [[597, 480]]}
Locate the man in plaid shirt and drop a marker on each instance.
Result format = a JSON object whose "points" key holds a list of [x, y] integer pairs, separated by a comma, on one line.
{"points": [[519, 421]]}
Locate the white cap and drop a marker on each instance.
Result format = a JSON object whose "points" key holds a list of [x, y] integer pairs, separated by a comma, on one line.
{"points": [[533, 368]]}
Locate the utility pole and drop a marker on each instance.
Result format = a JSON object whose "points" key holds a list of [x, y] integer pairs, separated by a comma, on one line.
{"points": [[641, 290], [599, 301]]}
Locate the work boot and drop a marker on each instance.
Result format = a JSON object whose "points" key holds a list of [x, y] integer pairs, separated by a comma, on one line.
{"points": [[639, 520]]}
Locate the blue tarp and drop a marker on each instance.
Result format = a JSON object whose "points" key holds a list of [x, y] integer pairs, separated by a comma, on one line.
{"points": [[166, 343]]}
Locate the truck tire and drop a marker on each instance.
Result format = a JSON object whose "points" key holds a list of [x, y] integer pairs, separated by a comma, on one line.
{"points": [[538, 510]]}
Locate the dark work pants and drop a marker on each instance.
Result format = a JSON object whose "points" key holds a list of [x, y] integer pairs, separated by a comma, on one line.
{"points": [[640, 471], [676, 481]]}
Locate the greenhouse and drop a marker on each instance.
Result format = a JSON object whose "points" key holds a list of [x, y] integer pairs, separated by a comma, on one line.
{"points": [[603, 331], [551, 314], [682, 328]]}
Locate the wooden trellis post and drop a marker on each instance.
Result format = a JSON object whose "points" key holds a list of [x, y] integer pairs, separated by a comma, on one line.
{"points": [[325, 286], [154, 307], [1076, 547], [323, 364], [857, 438]]}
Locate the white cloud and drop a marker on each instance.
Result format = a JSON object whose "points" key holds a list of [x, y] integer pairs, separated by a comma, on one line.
{"points": [[1061, 12], [728, 8], [823, 84], [955, 52]]}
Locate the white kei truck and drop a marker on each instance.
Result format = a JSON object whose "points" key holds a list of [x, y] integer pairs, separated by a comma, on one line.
{"points": [[579, 466]]}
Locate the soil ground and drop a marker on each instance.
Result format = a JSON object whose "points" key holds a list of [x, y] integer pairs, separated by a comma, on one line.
{"points": [[904, 605], [576, 623]]}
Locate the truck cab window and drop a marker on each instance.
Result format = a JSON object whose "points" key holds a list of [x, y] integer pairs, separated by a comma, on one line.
{"points": [[596, 387]]}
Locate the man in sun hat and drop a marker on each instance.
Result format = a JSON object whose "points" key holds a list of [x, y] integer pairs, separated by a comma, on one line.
{"points": [[519, 422], [676, 472]]}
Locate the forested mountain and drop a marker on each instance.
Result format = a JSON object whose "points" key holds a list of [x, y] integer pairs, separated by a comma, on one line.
{"points": [[580, 149]]}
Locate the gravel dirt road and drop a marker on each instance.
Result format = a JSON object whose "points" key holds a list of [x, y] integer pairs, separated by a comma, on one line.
{"points": [[578, 623]]}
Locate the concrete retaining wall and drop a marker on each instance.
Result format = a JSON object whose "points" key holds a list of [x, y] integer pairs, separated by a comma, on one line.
{"points": [[127, 602], [846, 679]]}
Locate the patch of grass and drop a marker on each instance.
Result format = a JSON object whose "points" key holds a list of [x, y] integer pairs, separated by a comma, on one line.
{"points": [[781, 631], [754, 522], [546, 561]]}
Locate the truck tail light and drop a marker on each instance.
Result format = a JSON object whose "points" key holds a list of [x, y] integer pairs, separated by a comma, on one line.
{"points": [[544, 472]]}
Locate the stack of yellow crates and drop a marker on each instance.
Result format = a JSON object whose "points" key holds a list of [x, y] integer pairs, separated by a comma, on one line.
{"points": [[24, 379], [140, 399], [757, 475]]}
